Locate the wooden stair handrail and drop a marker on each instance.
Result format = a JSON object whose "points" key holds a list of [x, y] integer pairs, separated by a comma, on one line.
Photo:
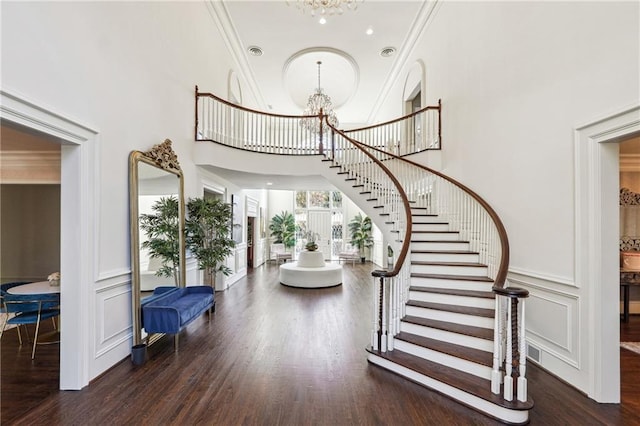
{"points": [[405, 201], [501, 276], [427, 108], [231, 104]]}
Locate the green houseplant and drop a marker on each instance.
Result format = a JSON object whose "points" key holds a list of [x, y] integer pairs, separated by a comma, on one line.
{"points": [[360, 231], [283, 229], [162, 228], [208, 234], [311, 240]]}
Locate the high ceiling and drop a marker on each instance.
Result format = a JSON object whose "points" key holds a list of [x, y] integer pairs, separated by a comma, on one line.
{"points": [[353, 72]]}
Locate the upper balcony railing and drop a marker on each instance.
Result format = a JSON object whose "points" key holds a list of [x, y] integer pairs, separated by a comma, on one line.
{"points": [[419, 131], [221, 121], [233, 125]]}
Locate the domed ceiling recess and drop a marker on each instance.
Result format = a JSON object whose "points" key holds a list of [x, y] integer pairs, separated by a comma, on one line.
{"points": [[339, 76]]}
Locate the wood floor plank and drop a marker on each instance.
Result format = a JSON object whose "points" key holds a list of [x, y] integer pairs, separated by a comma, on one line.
{"points": [[274, 355]]}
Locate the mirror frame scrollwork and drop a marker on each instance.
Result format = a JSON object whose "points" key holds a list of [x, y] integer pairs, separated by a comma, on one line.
{"points": [[162, 157]]}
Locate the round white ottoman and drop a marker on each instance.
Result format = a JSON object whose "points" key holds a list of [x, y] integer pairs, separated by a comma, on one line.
{"points": [[310, 271]]}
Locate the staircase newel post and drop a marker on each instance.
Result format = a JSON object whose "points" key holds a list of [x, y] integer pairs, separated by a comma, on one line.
{"points": [[333, 145], [195, 130], [522, 380], [320, 118], [508, 379], [375, 343], [381, 347], [440, 123], [496, 375]]}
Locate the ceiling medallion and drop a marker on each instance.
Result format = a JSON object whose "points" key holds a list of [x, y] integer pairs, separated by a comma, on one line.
{"points": [[325, 7], [319, 103]]}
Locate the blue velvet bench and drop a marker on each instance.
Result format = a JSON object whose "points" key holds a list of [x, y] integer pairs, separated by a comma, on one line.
{"points": [[170, 309]]}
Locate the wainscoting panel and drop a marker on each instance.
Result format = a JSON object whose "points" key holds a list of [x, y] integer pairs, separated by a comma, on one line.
{"points": [[552, 315], [112, 328]]}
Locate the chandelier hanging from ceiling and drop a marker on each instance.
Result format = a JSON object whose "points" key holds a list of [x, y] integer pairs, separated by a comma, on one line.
{"points": [[317, 103], [326, 7]]}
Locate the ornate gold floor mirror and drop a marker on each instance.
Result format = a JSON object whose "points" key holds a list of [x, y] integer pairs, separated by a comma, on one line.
{"points": [[156, 189]]}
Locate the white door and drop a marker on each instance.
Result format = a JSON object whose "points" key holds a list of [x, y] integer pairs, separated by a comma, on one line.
{"points": [[320, 223]]}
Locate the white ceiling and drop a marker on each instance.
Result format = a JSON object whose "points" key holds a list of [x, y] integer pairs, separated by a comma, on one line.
{"points": [[353, 73]]}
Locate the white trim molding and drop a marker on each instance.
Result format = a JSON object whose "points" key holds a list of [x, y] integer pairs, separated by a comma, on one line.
{"points": [[597, 246], [79, 216]]}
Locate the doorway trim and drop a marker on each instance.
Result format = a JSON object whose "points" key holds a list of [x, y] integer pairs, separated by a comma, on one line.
{"points": [[78, 211], [596, 246]]}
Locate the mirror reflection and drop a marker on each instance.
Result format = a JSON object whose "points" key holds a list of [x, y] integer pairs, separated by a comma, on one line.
{"points": [[157, 227]]}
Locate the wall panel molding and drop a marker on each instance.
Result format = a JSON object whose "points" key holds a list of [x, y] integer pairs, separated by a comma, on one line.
{"points": [[557, 335]]}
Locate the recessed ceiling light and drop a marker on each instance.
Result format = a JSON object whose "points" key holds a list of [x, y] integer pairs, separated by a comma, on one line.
{"points": [[269, 183], [369, 31], [387, 51], [255, 50], [323, 20]]}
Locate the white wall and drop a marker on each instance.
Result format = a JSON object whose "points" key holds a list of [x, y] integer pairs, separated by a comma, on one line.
{"points": [[516, 79], [128, 70]]}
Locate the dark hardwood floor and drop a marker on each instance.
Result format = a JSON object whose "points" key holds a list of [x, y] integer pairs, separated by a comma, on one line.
{"points": [[275, 355]]}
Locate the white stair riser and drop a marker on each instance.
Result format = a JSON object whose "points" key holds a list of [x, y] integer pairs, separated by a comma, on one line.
{"points": [[436, 236], [416, 217], [426, 245], [494, 410], [430, 227], [452, 283], [454, 300], [469, 271], [454, 317], [445, 257], [478, 370], [448, 336]]}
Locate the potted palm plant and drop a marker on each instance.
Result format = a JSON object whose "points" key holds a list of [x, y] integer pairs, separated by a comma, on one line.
{"points": [[283, 229], [162, 228], [208, 231], [360, 231]]}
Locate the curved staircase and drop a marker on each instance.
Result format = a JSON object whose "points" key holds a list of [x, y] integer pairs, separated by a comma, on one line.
{"points": [[444, 317]]}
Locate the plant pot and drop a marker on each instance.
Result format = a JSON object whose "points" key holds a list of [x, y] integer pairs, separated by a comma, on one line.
{"points": [[311, 247], [139, 354]]}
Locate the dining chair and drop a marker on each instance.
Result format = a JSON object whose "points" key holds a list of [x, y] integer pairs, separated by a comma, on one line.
{"points": [[31, 309], [3, 310]]}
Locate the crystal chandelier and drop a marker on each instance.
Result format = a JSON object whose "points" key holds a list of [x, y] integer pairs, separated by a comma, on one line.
{"points": [[319, 102], [328, 7]]}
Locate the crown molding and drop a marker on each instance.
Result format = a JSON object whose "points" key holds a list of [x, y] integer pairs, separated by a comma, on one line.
{"points": [[419, 25], [30, 167], [630, 162], [220, 15]]}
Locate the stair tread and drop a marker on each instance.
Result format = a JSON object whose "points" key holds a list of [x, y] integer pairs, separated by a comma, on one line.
{"points": [[469, 354], [454, 292], [428, 263], [469, 383], [466, 330], [452, 277], [466, 310], [429, 223], [438, 241], [444, 252], [434, 232]]}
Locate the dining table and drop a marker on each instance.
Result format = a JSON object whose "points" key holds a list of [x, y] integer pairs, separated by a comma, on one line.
{"points": [[38, 287]]}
